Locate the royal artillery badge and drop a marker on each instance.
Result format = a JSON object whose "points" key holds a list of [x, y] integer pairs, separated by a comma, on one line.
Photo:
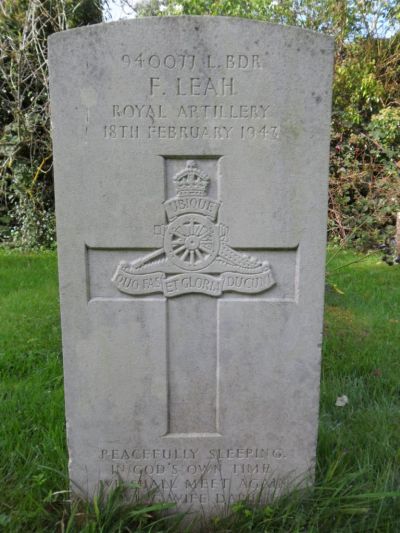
{"points": [[195, 256]]}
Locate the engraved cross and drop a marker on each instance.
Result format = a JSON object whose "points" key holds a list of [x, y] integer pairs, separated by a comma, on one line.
{"points": [[196, 270]]}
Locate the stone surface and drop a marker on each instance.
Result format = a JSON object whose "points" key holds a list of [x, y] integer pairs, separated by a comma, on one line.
{"points": [[191, 159]]}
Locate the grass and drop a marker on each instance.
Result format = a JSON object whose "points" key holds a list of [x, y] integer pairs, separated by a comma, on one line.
{"points": [[358, 475]]}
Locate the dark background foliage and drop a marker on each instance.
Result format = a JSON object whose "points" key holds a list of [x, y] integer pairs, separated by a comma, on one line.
{"points": [[364, 191], [26, 174]]}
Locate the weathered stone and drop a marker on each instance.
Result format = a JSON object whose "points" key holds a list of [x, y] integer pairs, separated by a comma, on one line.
{"points": [[191, 160]]}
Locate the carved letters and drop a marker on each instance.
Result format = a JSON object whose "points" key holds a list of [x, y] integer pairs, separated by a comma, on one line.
{"points": [[187, 475]]}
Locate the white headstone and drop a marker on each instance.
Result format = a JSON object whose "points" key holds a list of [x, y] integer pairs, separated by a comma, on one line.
{"points": [[191, 159]]}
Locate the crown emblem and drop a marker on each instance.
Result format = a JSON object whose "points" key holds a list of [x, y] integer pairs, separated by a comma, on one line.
{"points": [[191, 181]]}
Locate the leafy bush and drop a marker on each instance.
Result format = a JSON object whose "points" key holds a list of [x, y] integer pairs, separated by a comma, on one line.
{"points": [[364, 183], [26, 190], [365, 163]]}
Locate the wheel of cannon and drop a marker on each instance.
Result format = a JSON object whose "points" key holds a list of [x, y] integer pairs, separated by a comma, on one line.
{"points": [[191, 242]]}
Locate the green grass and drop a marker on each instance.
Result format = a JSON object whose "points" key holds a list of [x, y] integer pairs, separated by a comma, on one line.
{"points": [[358, 473]]}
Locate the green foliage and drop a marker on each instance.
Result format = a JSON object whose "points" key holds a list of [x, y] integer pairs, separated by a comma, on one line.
{"points": [[83, 12], [357, 90], [365, 162], [110, 512], [384, 127], [342, 18], [336, 503], [364, 188], [357, 484], [26, 181]]}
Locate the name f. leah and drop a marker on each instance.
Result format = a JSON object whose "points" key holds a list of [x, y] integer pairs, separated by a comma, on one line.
{"points": [[196, 87]]}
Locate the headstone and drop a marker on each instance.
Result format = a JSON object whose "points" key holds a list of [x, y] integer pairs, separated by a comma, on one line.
{"points": [[191, 159]]}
